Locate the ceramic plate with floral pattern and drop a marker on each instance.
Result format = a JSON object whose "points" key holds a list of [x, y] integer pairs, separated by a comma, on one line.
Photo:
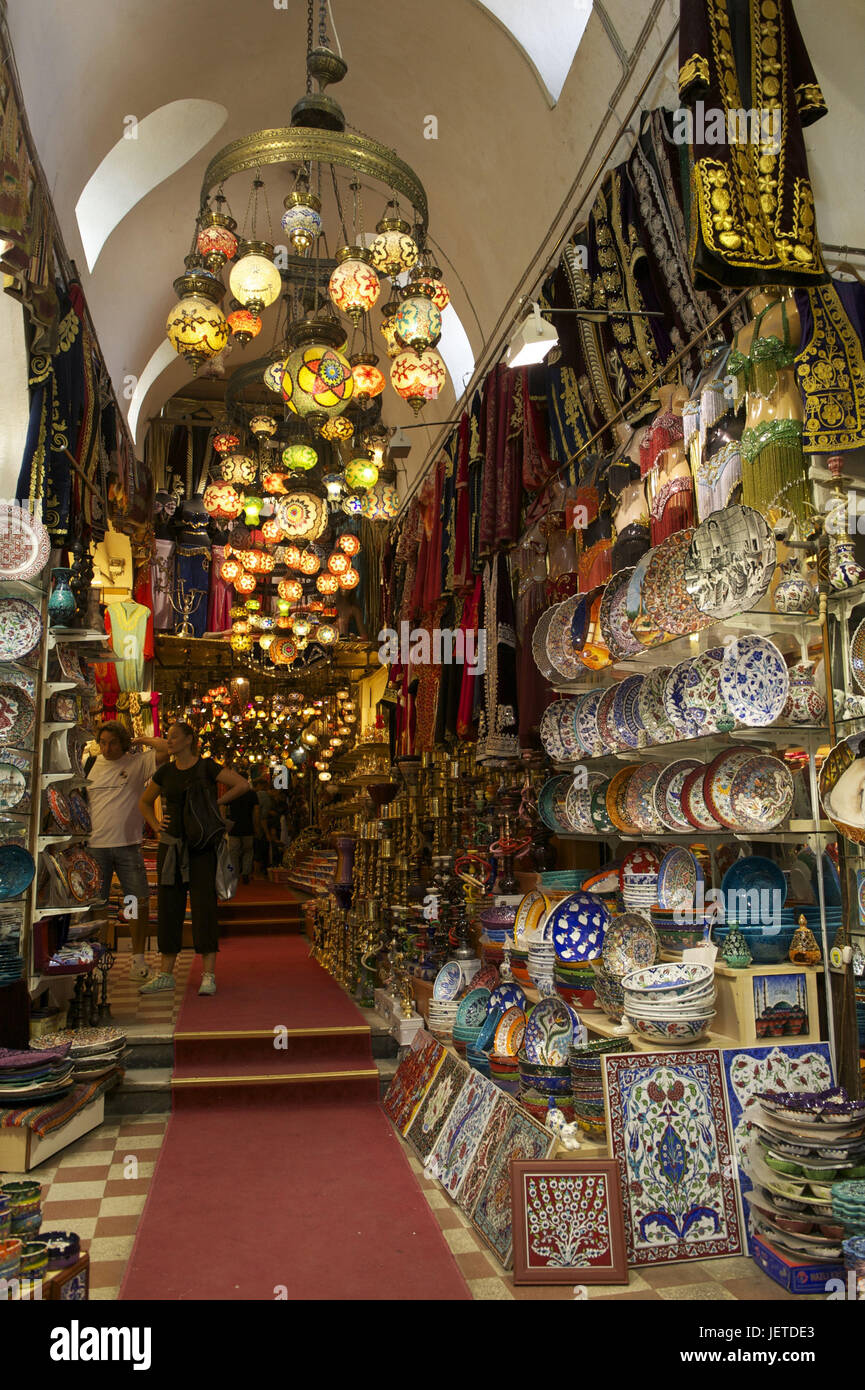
{"points": [[630, 943], [560, 650], [667, 793], [24, 543], [640, 799], [694, 804], [539, 643], [548, 730], [761, 794], [17, 714], [20, 628], [666, 600], [718, 783], [755, 682], [615, 624], [624, 728], [586, 720], [650, 707], [617, 797]]}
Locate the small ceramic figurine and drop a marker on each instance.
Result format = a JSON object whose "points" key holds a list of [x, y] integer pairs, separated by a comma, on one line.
{"points": [[735, 953], [803, 948], [555, 1122]]}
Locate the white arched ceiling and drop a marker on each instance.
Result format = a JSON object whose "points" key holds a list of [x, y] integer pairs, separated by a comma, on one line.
{"points": [[549, 35], [163, 358], [150, 150]]}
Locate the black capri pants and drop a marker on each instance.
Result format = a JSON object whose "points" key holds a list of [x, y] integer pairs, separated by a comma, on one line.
{"points": [[171, 904]]}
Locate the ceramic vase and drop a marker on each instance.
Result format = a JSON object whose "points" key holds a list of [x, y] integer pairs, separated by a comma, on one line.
{"points": [[805, 704], [735, 953], [803, 948], [795, 593], [61, 604], [844, 571]]}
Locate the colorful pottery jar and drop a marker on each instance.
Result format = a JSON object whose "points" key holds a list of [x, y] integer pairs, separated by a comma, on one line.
{"points": [[795, 593], [844, 570], [803, 948], [805, 704], [61, 604], [735, 952]]}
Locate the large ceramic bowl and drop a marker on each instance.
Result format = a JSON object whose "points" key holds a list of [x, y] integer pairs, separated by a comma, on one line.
{"points": [[671, 1031], [673, 979]]}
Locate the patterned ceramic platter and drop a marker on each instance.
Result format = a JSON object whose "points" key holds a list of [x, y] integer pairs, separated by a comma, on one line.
{"points": [[600, 816], [678, 878], [631, 709], [676, 703], [857, 655], [578, 924], [594, 653], [17, 713], [730, 562], [718, 784], [24, 543], [14, 784], [549, 1033], [704, 703], [666, 600], [531, 912], [567, 728], [648, 634], [586, 720], [70, 663], [505, 997], [59, 807], [650, 707], [549, 732], [761, 794], [539, 643], [20, 628], [640, 799], [510, 1032], [617, 800], [629, 944], [754, 681], [449, 981], [604, 717], [580, 622], [622, 715], [668, 793], [473, 1007], [82, 874], [615, 626], [560, 652], [64, 709], [840, 785], [16, 871], [76, 742], [578, 803], [80, 812], [559, 805], [693, 802]]}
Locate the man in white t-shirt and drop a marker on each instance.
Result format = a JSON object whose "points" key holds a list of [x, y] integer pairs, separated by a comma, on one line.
{"points": [[116, 777]]}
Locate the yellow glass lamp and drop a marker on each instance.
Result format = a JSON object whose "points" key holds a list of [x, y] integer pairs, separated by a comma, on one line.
{"points": [[310, 564], [393, 249], [239, 469], [254, 279], [418, 323], [262, 426], [327, 634], [245, 583], [222, 502], [349, 580], [290, 590], [348, 543], [252, 510], [361, 472], [226, 442], [317, 380], [327, 584], [196, 326], [339, 428], [338, 563]]}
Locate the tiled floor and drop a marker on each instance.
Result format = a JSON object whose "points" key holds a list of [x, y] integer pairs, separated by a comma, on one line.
{"points": [[142, 1014]]}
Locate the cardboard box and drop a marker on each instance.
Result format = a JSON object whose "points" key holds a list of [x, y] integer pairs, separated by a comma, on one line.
{"points": [[796, 1276]]}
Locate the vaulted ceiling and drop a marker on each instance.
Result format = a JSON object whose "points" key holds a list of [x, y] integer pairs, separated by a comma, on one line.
{"points": [[498, 176]]}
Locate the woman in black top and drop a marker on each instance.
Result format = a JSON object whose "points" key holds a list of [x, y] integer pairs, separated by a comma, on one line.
{"points": [[170, 782]]}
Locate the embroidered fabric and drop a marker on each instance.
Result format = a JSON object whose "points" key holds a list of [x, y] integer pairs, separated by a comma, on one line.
{"points": [[718, 476]]}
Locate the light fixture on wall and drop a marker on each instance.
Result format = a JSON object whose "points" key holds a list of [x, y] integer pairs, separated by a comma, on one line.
{"points": [[531, 340]]}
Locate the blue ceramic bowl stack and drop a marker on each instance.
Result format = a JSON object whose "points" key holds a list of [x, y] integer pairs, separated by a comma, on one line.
{"points": [[848, 1205], [673, 1003], [587, 1085], [609, 993], [497, 924], [470, 1018], [477, 1053], [25, 1208], [563, 880]]}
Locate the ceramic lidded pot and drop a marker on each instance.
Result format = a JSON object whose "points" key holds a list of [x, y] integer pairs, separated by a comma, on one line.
{"points": [[803, 948], [795, 593], [805, 704], [735, 952]]}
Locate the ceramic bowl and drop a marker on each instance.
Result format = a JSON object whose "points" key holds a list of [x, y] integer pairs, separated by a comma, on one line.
{"points": [[672, 980], [671, 1031]]}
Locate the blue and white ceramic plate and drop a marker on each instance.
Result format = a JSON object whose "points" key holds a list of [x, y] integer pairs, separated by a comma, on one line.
{"points": [[578, 802], [448, 981], [472, 1011], [550, 1033], [549, 732], [16, 871], [577, 925], [650, 706], [567, 729], [676, 700], [507, 997], [679, 875], [627, 691], [630, 943], [754, 681], [667, 794], [586, 720]]}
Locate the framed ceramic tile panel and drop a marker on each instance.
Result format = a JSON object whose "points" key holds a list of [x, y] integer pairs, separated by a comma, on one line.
{"points": [[568, 1223], [436, 1105], [670, 1138], [491, 1218], [783, 1067], [469, 1189], [412, 1080], [462, 1131]]}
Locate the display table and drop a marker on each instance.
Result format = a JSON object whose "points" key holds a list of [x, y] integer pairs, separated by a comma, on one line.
{"points": [[22, 1149]]}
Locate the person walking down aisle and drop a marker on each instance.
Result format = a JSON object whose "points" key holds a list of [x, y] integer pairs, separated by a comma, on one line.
{"points": [[116, 777], [242, 822], [186, 857]]}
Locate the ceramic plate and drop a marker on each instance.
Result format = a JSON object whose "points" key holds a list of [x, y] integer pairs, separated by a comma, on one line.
{"points": [[761, 794], [640, 802], [840, 784], [693, 802], [16, 871], [539, 643], [679, 875], [630, 943], [549, 1033], [24, 543], [577, 924], [560, 652], [718, 782], [17, 713], [754, 681], [14, 785], [549, 732], [567, 728], [600, 816], [857, 655], [59, 807], [615, 626], [510, 1032], [505, 997], [650, 706], [604, 718], [580, 622], [616, 800], [586, 720], [668, 793], [754, 873], [702, 700], [578, 803], [20, 628], [472, 1011], [729, 564], [594, 653], [449, 981], [531, 912], [646, 633], [622, 715], [82, 874], [666, 600], [675, 702]]}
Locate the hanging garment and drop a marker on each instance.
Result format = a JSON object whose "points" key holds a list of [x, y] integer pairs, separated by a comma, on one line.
{"points": [[162, 573], [191, 576], [719, 471], [221, 595], [773, 461], [130, 627], [753, 220], [672, 508], [830, 369], [534, 691], [498, 719]]}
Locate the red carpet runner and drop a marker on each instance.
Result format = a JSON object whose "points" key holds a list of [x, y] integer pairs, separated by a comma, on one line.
{"points": [[280, 1175]]}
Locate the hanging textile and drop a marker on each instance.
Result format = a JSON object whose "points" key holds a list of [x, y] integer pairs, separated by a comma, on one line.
{"points": [[753, 219], [162, 578], [220, 597], [130, 627], [830, 369], [498, 719], [57, 397]]}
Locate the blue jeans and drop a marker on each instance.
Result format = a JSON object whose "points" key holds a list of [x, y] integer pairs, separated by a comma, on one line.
{"points": [[127, 863]]}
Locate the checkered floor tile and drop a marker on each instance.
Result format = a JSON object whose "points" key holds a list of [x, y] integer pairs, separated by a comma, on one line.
{"points": [[148, 1013]]}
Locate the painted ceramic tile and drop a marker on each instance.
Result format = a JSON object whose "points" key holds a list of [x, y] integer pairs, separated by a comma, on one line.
{"points": [[413, 1079], [780, 1005], [492, 1217], [491, 1139], [462, 1131], [568, 1223], [860, 895], [749, 1070], [668, 1131], [436, 1105]]}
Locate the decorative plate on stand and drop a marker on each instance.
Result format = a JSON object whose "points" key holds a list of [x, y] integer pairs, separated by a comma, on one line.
{"points": [[16, 871], [24, 543], [82, 874], [648, 634], [754, 681], [666, 600], [539, 643], [560, 651], [678, 878], [20, 628], [567, 729], [548, 730], [718, 783], [676, 703], [650, 706], [61, 811], [17, 714], [615, 625], [668, 793], [600, 816], [510, 1032], [703, 702], [761, 794], [607, 733], [449, 981], [693, 802], [578, 924], [578, 803], [730, 562]]}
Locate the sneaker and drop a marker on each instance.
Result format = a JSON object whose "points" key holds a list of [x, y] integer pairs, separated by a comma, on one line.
{"points": [[140, 972], [208, 985], [158, 984]]}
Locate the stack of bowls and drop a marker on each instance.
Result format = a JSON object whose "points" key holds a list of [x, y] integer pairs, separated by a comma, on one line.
{"points": [[768, 945], [5, 1215], [441, 1017], [505, 1073], [575, 984], [677, 936], [672, 1003], [497, 925], [854, 1258], [587, 1084], [639, 879], [609, 993], [25, 1205], [10, 1257], [33, 1266], [542, 962], [539, 1081], [520, 966], [562, 880], [848, 1205], [477, 1053], [470, 1018]]}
